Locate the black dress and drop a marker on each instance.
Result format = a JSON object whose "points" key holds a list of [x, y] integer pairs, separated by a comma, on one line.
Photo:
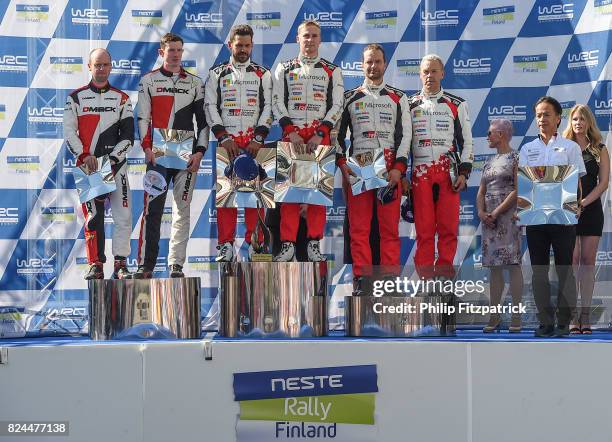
{"points": [[591, 220]]}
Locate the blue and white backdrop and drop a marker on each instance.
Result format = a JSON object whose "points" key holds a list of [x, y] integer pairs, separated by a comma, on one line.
{"points": [[501, 55]]}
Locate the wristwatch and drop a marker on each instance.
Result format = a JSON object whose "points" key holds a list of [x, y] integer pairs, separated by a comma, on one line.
{"points": [[259, 138]]}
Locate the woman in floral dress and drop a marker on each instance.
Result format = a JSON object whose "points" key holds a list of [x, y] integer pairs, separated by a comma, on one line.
{"points": [[501, 236]]}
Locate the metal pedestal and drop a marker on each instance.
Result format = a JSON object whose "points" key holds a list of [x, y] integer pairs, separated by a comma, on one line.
{"points": [[144, 308], [273, 299], [399, 316]]}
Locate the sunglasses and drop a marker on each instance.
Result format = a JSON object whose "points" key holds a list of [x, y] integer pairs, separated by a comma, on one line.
{"points": [[492, 132]]}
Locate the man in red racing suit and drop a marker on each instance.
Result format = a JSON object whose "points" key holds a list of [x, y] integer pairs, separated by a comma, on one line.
{"points": [[238, 109], [378, 117], [440, 124], [307, 99]]}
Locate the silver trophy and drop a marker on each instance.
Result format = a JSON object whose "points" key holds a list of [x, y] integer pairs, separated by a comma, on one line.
{"points": [[90, 185], [370, 171], [172, 148], [453, 169], [305, 178], [245, 181], [547, 195]]}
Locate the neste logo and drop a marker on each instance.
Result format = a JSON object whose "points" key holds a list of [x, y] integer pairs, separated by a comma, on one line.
{"points": [[583, 59], [307, 382], [264, 20], [32, 13], [381, 19], [204, 20], [66, 65], [513, 113], [145, 17], [325, 19], [409, 66], [530, 63], [498, 15], [556, 12]]}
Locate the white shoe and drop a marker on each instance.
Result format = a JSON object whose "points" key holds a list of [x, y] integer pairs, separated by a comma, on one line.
{"points": [[287, 252], [314, 254], [226, 252]]}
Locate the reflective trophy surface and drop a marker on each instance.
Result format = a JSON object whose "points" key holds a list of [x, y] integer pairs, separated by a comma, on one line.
{"points": [[160, 308], [547, 195]]}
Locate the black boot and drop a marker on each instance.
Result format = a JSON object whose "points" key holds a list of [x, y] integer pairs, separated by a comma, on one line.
{"points": [[96, 271], [121, 270], [176, 271]]}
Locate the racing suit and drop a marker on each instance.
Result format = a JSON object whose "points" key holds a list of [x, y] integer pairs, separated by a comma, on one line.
{"points": [[378, 117], [307, 96], [440, 123], [238, 104], [100, 122], [169, 101]]}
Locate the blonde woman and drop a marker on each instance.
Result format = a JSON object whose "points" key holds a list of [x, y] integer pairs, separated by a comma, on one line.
{"points": [[583, 129]]}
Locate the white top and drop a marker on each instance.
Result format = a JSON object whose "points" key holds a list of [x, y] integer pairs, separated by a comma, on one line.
{"points": [[558, 152]]}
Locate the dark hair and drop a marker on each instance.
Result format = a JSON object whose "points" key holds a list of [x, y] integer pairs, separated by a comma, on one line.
{"points": [[550, 100], [242, 30], [375, 47], [167, 38]]}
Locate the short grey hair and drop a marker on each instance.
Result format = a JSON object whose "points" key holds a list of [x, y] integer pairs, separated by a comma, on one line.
{"points": [[503, 125], [432, 57], [103, 50]]}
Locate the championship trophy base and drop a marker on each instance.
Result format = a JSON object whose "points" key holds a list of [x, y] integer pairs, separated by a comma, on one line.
{"points": [[400, 316], [165, 308], [261, 300]]}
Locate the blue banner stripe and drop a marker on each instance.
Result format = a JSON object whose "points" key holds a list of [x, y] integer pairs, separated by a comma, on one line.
{"points": [[305, 382]]}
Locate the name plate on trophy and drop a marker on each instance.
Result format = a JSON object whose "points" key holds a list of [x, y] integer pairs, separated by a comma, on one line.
{"points": [[172, 148], [246, 181], [91, 185], [305, 177], [370, 171], [547, 195]]}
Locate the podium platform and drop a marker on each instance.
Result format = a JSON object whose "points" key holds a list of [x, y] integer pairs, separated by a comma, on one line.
{"points": [[471, 388]]}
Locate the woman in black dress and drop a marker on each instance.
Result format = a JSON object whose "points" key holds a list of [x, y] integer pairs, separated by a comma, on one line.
{"points": [[583, 129]]}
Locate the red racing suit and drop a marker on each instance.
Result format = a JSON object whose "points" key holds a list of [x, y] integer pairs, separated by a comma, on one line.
{"points": [[440, 123], [168, 101], [307, 96], [378, 118], [238, 103], [98, 122]]}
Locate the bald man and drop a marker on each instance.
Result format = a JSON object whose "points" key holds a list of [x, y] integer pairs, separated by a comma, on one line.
{"points": [[98, 122]]}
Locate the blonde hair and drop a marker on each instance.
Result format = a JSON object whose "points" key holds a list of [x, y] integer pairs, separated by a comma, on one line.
{"points": [[308, 23], [432, 57], [593, 133]]}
